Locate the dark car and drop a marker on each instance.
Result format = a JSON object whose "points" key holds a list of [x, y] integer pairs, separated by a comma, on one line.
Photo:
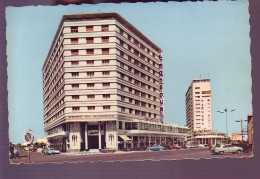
{"points": [[155, 147]]}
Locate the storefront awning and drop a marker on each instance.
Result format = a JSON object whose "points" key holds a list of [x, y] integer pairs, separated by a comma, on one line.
{"points": [[125, 138]]}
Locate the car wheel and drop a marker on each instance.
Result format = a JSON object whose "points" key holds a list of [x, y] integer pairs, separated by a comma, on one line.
{"points": [[239, 152], [221, 152]]}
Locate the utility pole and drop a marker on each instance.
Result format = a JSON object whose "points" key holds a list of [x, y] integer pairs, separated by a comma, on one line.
{"points": [[241, 121], [225, 110]]}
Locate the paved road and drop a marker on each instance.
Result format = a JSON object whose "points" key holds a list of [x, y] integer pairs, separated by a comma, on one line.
{"points": [[36, 157]]}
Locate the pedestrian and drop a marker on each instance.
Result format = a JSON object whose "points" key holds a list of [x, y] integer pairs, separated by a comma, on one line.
{"points": [[11, 150], [16, 153]]}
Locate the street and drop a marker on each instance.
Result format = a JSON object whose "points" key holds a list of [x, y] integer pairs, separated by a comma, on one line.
{"points": [[196, 153]]}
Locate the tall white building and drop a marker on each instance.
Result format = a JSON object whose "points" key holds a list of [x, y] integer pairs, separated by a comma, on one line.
{"points": [[198, 106], [102, 87]]}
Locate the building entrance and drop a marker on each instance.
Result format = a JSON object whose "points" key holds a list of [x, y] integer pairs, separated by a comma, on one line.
{"points": [[92, 142]]}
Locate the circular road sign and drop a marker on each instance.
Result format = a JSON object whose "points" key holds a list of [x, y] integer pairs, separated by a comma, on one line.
{"points": [[28, 137]]}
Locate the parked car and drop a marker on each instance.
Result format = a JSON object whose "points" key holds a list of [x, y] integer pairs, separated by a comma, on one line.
{"points": [[227, 148], [175, 147], [155, 147], [201, 146], [51, 151]]}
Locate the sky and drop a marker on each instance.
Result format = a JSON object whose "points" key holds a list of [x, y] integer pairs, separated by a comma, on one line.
{"points": [[198, 39]]}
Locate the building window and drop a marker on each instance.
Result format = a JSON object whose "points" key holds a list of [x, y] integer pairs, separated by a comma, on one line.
{"points": [[142, 47], [105, 61], [90, 62], [75, 85], [105, 73], [129, 37], [136, 42], [136, 53], [122, 87], [130, 100], [90, 51], [121, 42], [74, 41], [91, 107], [74, 63], [142, 56], [75, 73], [121, 32], [75, 108], [74, 29], [89, 85], [106, 96], [137, 103], [143, 113], [91, 96], [74, 52], [90, 40], [105, 39], [105, 51], [121, 54], [130, 69], [137, 112], [75, 96], [122, 98], [106, 107], [197, 87], [89, 29], [122, 109], [104, 28], [106, 84], [90, 74], [122, 76], [130, 111], [122, 65]]}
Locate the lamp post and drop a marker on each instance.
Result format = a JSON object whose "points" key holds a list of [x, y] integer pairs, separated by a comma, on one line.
{"points": [[225, 110], [241, 121]]}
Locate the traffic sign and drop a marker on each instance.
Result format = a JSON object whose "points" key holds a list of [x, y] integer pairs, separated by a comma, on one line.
{"points": [[28, 137]]}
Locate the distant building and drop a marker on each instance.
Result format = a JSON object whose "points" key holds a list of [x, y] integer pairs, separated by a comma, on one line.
{"points": [[208, 138], [42, 140], [102, 87], [250, 131], [198, 106], [237, 136]]}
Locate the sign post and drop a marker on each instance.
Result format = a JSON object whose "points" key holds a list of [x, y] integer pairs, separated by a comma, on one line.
{"points": [[28, 139]]}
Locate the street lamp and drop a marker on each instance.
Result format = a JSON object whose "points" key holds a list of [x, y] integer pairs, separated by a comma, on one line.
{"points": [[241, 121], [225, 110]]}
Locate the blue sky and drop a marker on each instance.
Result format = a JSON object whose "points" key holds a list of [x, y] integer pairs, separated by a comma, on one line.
{"points": [[198, 39]]}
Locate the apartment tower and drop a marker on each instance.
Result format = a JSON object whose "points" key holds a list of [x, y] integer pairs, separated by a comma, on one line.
{"points": [[198, 106]]}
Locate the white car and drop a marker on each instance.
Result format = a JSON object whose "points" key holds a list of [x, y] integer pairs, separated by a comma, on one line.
{"points": [[51, 151], [227, 148]]}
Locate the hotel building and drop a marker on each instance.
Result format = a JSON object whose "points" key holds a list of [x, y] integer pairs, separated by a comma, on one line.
{"points": [[102, 85]]}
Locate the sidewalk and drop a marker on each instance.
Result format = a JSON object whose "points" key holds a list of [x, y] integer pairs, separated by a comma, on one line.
{"points": [[97, 152]]}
